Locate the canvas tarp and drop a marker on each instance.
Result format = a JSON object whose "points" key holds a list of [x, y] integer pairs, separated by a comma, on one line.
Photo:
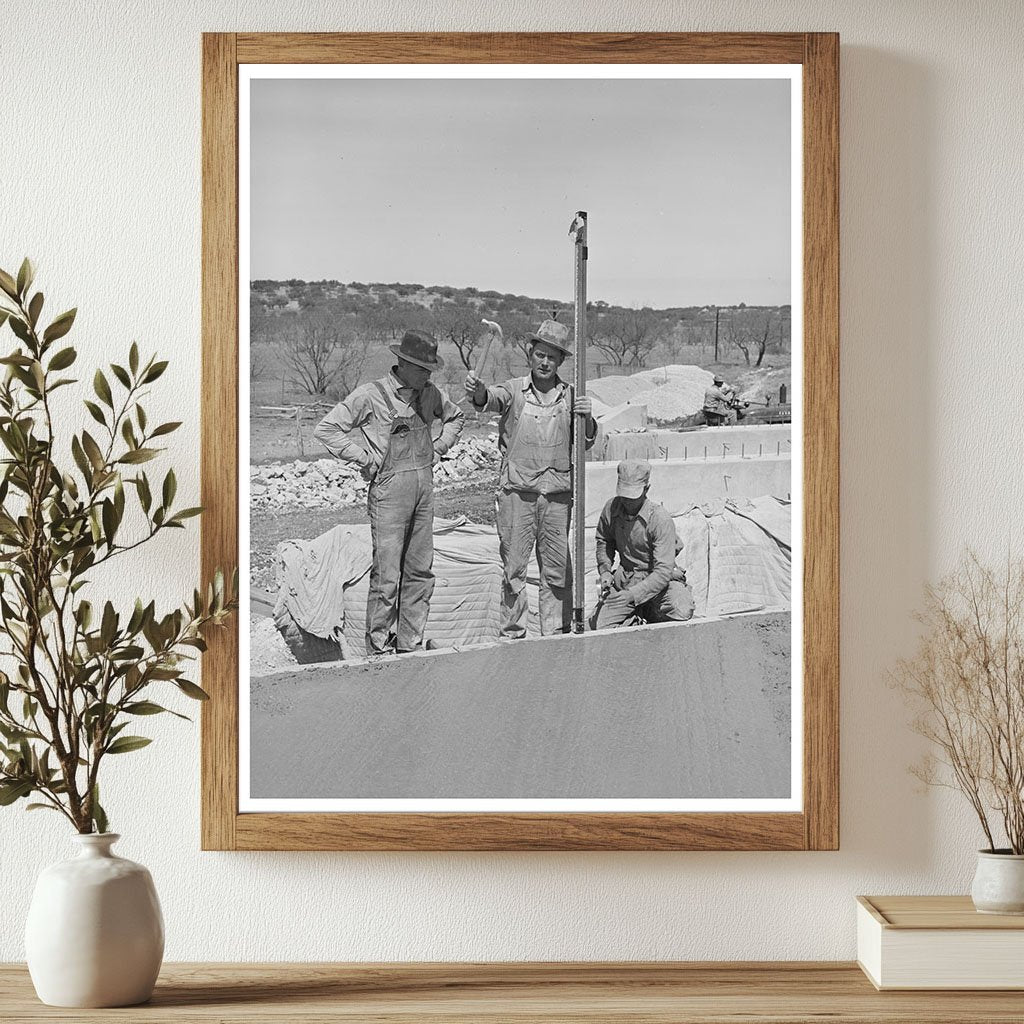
{"points": [[618, 418], [736, 554]]}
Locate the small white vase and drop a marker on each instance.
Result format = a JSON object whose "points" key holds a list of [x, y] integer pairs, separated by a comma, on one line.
{"points": [[999, 882], [95, 934]]}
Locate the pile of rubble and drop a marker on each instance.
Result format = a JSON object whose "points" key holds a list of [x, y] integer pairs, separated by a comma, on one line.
{"points": [[330, 483], [670, 393]]}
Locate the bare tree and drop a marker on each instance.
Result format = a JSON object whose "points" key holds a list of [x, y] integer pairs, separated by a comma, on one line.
{"points": [[461, 326], [453, 376], [782, 335], [749, 331], [464, 330], [627, 336], [517, 328], [262, 329], [257, 363], [387, 319], [320, 354], [681, 339]]}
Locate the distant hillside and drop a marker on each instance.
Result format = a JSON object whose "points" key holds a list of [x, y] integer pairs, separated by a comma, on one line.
{"points": [[294, 295], [327, 333]]}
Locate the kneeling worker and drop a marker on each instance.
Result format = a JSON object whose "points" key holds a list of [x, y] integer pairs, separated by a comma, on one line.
{"points": [[384, 427], [646, 586]]}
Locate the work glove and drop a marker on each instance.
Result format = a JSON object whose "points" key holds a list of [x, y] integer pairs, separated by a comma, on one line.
{"points": [[607, 583]]}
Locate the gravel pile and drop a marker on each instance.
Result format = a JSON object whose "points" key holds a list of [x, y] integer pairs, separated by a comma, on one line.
{"points": [[669, 392], [330, 483], [674, 400], [619, 390], [267, 650]]}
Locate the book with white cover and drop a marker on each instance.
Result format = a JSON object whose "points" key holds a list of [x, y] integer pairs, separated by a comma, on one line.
{"points": [[938, 942]]}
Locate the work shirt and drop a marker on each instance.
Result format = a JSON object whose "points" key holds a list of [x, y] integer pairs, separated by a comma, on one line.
{"points": [[501, 398], [645, 543], [717, 399], [358, 429]]}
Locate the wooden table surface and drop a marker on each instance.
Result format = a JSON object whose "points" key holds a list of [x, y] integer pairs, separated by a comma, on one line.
{"points": [[660, 993]]}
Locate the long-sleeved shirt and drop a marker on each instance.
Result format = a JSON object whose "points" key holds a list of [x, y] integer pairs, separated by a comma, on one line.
{"points": [[645, 543], [717, 399], [501, 399], [358, 428]]}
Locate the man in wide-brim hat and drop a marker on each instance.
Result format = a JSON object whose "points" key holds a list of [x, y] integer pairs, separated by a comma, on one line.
{"points": [[392, 429], [535, 437]]}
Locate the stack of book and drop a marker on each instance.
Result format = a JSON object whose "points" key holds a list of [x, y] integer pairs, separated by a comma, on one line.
{"points": [[938, 942]]}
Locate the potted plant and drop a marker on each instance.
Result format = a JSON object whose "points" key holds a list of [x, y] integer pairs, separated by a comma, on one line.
{"points": [[967, 682], [80, 670]]}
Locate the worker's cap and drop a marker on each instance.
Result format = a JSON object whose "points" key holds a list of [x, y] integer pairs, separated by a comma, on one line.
{"points": [[420, 348], [551, 332], [634, 476], [719, 379]]}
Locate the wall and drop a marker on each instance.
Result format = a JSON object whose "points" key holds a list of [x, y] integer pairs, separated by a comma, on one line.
{"points": [[100, 173], [708, 718]]}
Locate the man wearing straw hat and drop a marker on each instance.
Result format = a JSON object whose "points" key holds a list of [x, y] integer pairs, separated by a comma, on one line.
{"points": [[718, 402], [535, 435], [386, 428]]}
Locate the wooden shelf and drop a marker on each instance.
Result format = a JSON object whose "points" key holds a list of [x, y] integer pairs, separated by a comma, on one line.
{"points": [[658, 993]]}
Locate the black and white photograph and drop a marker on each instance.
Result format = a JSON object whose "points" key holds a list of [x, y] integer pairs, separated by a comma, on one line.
{"points": [[521, 527]]}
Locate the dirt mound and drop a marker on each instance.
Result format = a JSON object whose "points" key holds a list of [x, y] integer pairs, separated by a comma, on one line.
{"points": [[670, 393], [758, 385], [268, 651]]}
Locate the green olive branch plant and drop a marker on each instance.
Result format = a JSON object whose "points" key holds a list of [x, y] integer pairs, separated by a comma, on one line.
{"points": [[79, 674]]}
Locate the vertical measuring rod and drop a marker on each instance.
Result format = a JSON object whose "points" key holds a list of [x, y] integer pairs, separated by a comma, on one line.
{"points": [[579, 478]]}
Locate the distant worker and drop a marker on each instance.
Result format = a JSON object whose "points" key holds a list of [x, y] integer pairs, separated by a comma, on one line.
{"points": [[535, 436], [718, 402], [386, 428], [647, 586]]}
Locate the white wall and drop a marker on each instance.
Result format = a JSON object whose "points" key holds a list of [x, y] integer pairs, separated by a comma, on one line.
{"points": [[99, 182]]}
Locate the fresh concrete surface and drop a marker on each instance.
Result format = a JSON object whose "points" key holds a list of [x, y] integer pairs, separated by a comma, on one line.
{"points": [[684, 710]]}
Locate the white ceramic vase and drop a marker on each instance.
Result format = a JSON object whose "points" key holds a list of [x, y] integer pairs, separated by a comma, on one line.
{"points": [[999, 883], [95, 934]]}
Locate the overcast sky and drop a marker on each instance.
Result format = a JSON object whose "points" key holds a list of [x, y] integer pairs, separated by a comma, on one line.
{"points": [[475, 182]]}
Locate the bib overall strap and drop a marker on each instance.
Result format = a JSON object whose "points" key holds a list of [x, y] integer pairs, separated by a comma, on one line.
{"points": [[387, 399]]}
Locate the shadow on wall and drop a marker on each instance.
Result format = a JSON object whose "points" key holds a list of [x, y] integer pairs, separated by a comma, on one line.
{"points": [[888, 272]]}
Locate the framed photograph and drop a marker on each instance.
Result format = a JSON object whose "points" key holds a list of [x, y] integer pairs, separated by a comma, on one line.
{"points": [[520, 420]]}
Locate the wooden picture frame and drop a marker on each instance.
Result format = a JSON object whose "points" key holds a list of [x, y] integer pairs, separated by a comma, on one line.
{"points": [[816, 827]]}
